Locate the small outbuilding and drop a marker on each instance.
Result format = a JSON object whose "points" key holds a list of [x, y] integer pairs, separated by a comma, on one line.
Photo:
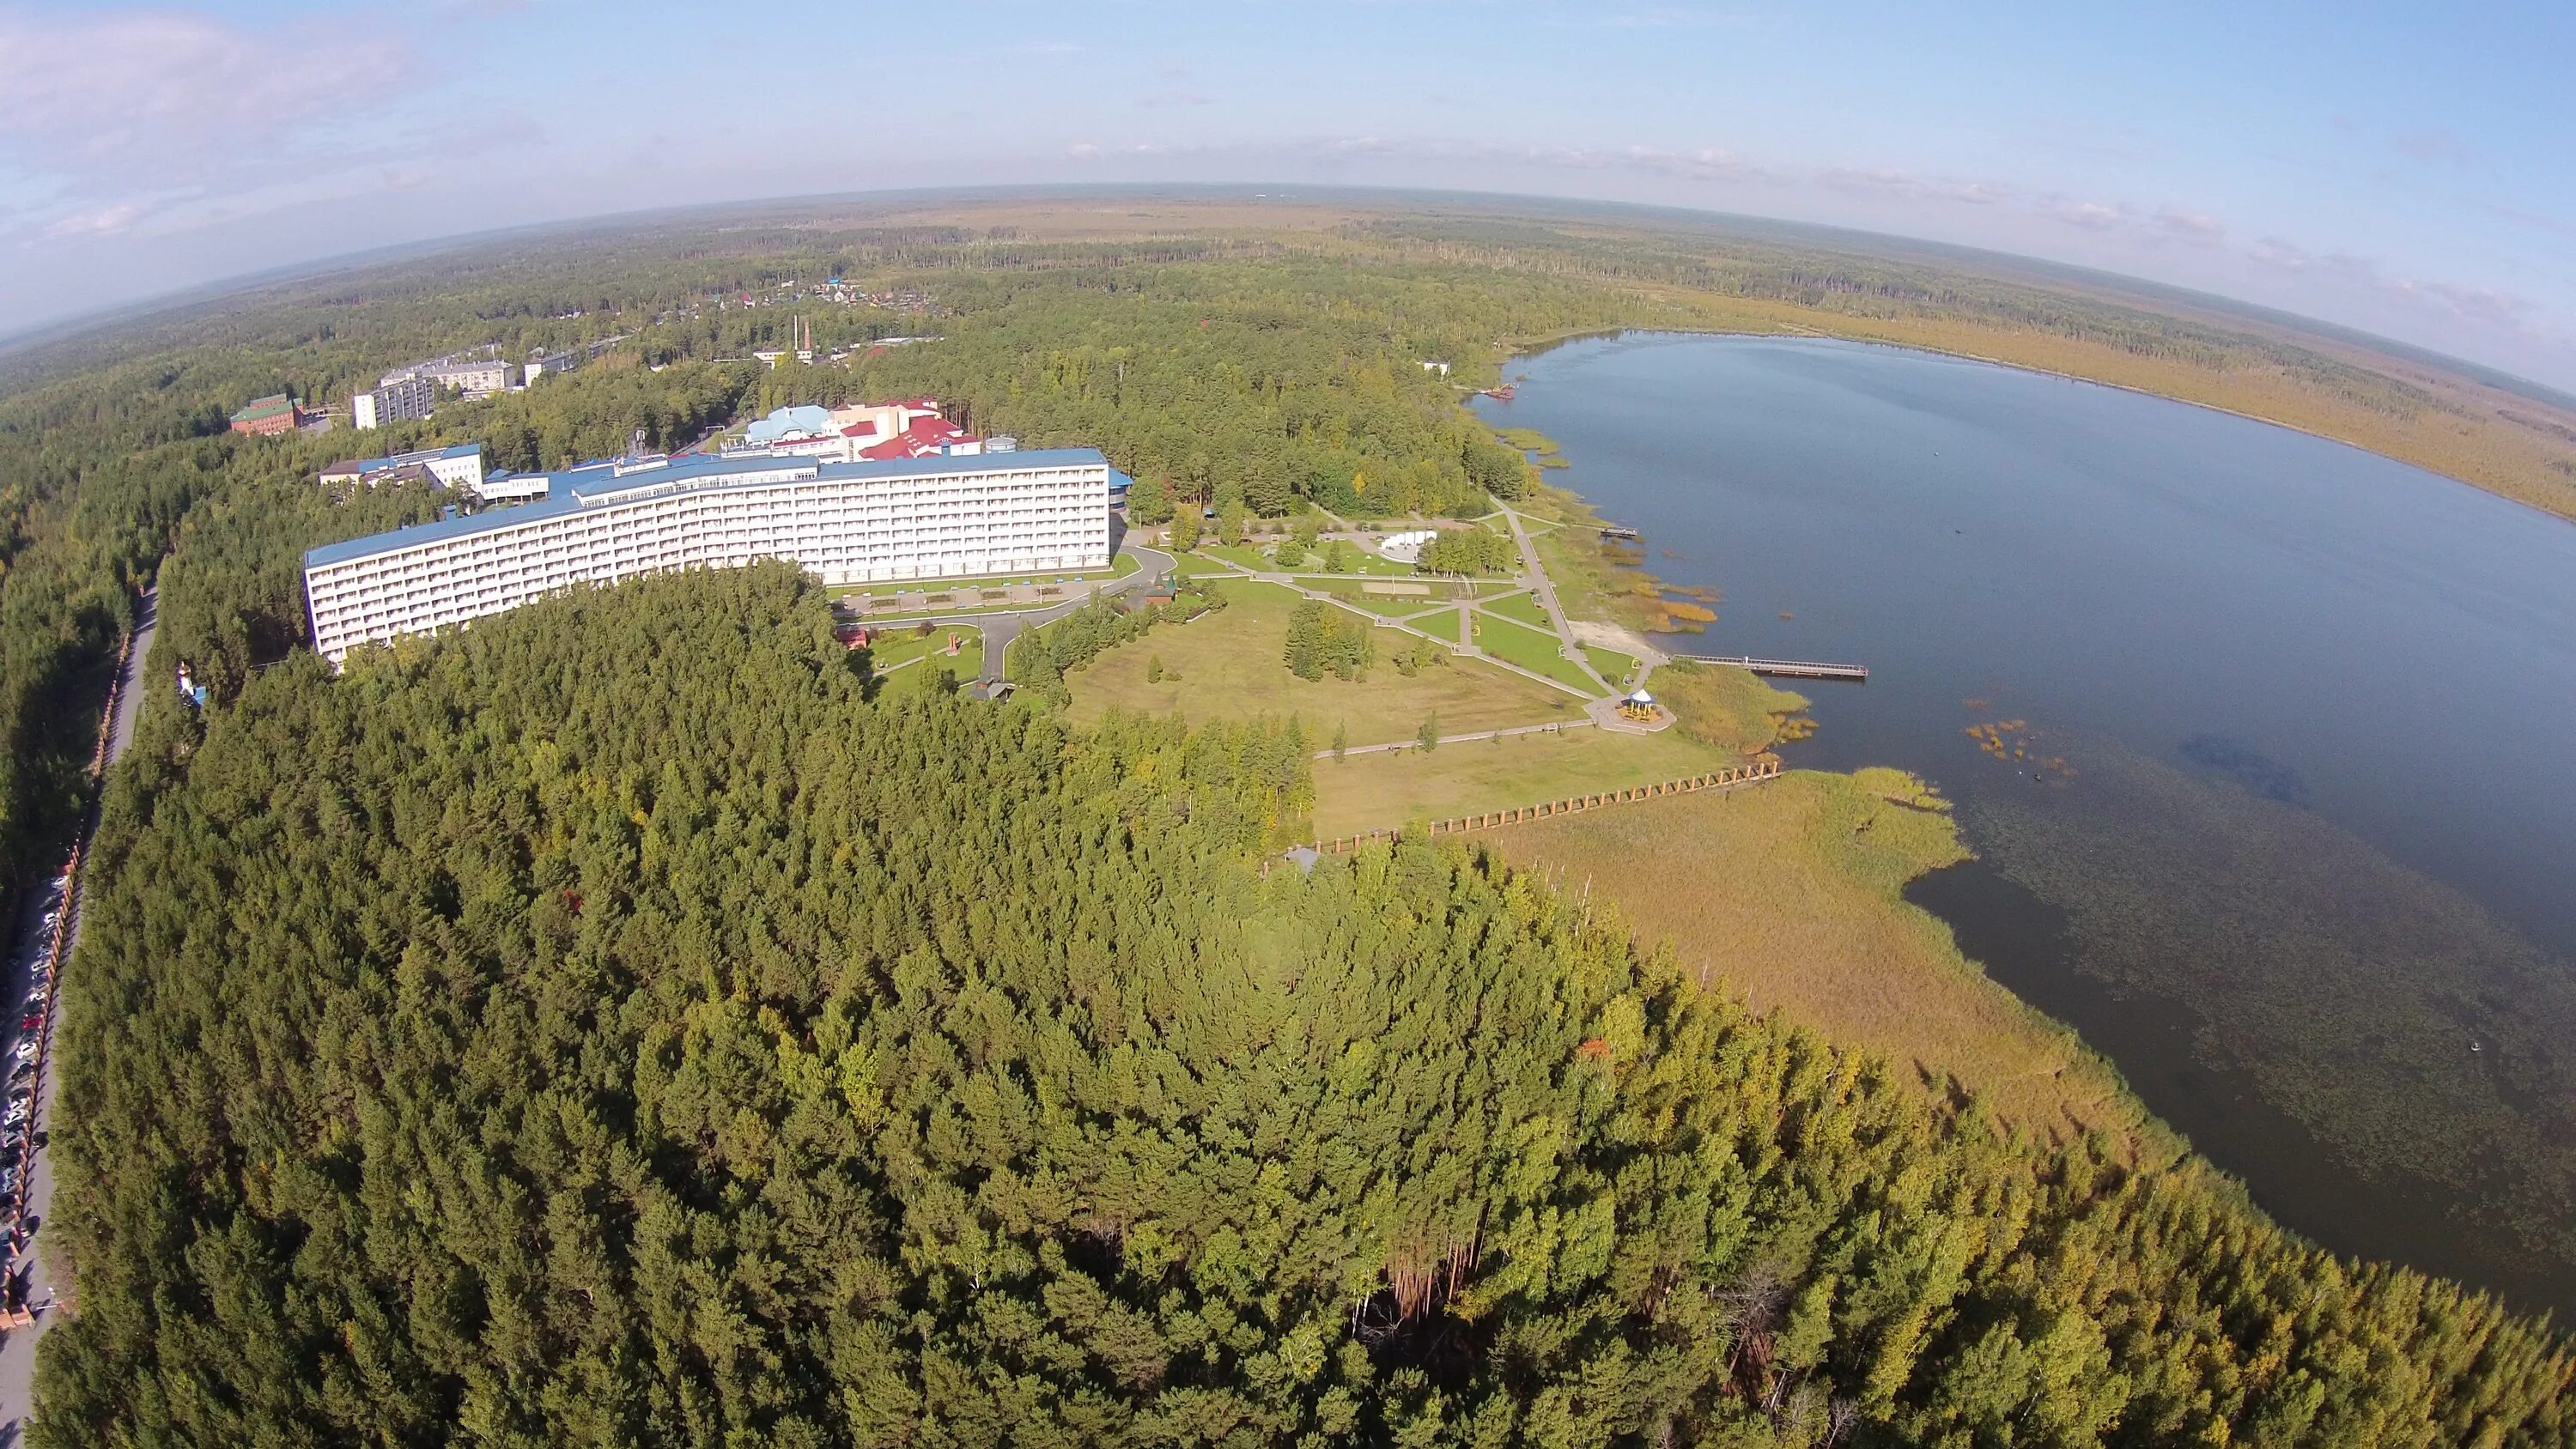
{"points": [[1638, 706]]}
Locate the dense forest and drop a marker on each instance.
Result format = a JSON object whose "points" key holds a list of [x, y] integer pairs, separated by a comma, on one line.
{"points": [[610, 1027]]}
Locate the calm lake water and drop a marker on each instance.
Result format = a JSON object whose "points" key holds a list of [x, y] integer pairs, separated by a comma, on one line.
{"points": [[2284, 819]]}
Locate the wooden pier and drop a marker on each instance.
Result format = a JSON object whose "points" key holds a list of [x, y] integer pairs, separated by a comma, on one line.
{"points": [[1627, 534], [1785, 668], [1766, 768]]}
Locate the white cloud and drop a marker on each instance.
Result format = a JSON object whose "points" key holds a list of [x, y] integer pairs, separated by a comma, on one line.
{"points": [[1907, 185], [2198, 226], [151, 95], [105, 220]]}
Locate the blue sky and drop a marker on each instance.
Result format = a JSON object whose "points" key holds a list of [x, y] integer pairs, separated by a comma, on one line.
{"points": [[2381, 166]]}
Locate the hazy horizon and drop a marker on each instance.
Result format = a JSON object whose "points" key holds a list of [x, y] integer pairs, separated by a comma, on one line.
{"points": [[2382, 171]]}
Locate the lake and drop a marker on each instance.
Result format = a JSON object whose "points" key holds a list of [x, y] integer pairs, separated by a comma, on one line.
{"points": [[2273, 778]]}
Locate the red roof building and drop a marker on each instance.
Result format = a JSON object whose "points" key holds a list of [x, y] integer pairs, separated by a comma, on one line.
{"points": [[276, 413]]}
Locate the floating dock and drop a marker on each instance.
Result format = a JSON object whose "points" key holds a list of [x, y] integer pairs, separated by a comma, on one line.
{"points": [[1784, 668], [1624, 533]]}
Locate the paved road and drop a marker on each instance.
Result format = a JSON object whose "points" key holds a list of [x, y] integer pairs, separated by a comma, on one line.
{"points": [[18, 1349], [1153, 566], [1545, 588]]}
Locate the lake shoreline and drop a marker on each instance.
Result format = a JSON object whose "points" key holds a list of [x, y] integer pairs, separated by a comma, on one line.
{"points": [[1531, 348], [1623, 403]]}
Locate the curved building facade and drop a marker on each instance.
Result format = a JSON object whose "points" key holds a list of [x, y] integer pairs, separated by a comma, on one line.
{"points": [[848, 523]]}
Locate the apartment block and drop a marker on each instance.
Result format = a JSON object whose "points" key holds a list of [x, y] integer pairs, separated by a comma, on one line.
{"points": [[399, 398]]}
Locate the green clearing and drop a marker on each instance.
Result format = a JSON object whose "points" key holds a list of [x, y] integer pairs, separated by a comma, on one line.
{"points": [[1227, 665], [1365, 792], [1524, 607], [1531, 650], [1438, 623], [1789, 893], [919, 656], [1610, 664], [1363, 563], [1244, 556]]}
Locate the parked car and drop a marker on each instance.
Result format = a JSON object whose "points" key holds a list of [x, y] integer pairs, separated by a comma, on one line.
{"points": [[32, 1021], [16, 1114], [26, 1048]]}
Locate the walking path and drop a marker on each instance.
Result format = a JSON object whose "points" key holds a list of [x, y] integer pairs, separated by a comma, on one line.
{"points": [[1545, 588], [18, 1349], [1000, 628], [1464, 644], [1551, 727]]}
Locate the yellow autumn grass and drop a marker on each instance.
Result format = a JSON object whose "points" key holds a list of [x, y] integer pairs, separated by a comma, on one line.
{"points": [[1789, 895]]}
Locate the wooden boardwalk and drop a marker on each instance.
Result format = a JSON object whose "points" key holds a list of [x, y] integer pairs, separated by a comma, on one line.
{"points": [[1727, 779]]}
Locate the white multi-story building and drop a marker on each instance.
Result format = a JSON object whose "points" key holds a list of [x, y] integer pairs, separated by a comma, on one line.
{"points": [[457, 467], [399, 398], [923, 518], [473, 376]]}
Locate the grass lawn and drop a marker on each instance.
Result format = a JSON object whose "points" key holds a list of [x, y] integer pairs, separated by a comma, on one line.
{"points": [[1191, 566], [1365, 792], [1439, 624], [1789, 894], [1610, 664], [921, 658], [1240, 555], [1530, 649], [1523, 607], [1228, 667], [1581, 586]]}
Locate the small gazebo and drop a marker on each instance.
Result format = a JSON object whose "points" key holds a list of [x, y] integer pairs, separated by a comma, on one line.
{"points": [[1638, 706]]}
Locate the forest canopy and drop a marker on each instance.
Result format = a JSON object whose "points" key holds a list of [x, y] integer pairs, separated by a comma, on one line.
{"points": [[610, 1026]]}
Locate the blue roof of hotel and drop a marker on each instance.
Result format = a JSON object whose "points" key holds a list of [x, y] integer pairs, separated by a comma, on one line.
{"points": [[566, 487], [806, 419], [369, 465]]}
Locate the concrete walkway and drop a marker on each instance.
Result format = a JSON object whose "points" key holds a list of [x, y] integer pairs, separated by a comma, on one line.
{"points": [[1002, 626], [18, 1349], [1545, 588], [1464, 644]]}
